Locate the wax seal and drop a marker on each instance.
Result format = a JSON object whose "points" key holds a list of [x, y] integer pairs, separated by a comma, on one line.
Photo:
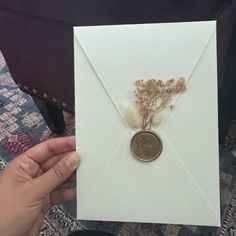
{"points": [[146, 145]]}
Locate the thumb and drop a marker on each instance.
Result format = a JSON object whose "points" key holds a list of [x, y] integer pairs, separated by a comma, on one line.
{"points": [[55, 176]]}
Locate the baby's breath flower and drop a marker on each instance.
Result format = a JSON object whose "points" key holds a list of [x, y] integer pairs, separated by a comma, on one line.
{"points": [[153, 96]]}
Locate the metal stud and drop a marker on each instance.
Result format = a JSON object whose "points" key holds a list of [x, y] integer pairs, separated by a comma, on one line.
{"points": [[34, 91], [64, 104], [45, 95], [25, 87], [54, 99]]}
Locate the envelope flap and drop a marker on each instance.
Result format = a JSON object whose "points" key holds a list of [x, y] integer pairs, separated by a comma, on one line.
{"points": [[121, 54], [198, 107], [93, 100], [170, 184]]}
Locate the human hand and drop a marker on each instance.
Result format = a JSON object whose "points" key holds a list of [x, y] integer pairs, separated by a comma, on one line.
{"points": [[28, 185]]}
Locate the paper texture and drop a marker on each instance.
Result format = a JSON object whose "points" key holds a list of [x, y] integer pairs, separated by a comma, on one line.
{"points": [[182, 185]]}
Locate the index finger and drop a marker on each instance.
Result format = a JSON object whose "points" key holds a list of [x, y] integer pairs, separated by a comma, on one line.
{"points": [[49, 148]]}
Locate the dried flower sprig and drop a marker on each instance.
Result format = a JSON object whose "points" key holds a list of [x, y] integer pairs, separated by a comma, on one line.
{"points": [[132, 116], [153, 96]]}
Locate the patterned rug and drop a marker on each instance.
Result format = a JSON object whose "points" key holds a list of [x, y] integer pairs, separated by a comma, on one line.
{"points": [[22, 126]]}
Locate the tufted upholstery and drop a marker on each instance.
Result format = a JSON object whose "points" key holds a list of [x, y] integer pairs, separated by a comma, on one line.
{"points": [[36, 37]]}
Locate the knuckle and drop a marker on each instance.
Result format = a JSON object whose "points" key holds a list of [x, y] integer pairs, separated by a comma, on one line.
{"points": [[60, 172], [50, 147]]}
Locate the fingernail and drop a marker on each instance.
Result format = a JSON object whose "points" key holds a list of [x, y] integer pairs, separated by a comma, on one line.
{"points": [[73, 161]]}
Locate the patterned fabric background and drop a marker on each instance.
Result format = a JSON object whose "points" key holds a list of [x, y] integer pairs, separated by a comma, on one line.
{"points": [[22, 126]]}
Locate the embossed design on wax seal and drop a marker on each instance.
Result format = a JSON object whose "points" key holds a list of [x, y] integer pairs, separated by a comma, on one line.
{"points": [[146, 145]]}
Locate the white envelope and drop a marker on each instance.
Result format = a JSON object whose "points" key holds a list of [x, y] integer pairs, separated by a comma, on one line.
{"points": [[182, 185]]}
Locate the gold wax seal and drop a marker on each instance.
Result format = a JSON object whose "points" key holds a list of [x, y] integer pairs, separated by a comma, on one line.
{"points": [[146, 145]]}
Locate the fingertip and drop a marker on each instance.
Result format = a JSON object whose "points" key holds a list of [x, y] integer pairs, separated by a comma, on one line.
{"points": [[73, 160]]}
